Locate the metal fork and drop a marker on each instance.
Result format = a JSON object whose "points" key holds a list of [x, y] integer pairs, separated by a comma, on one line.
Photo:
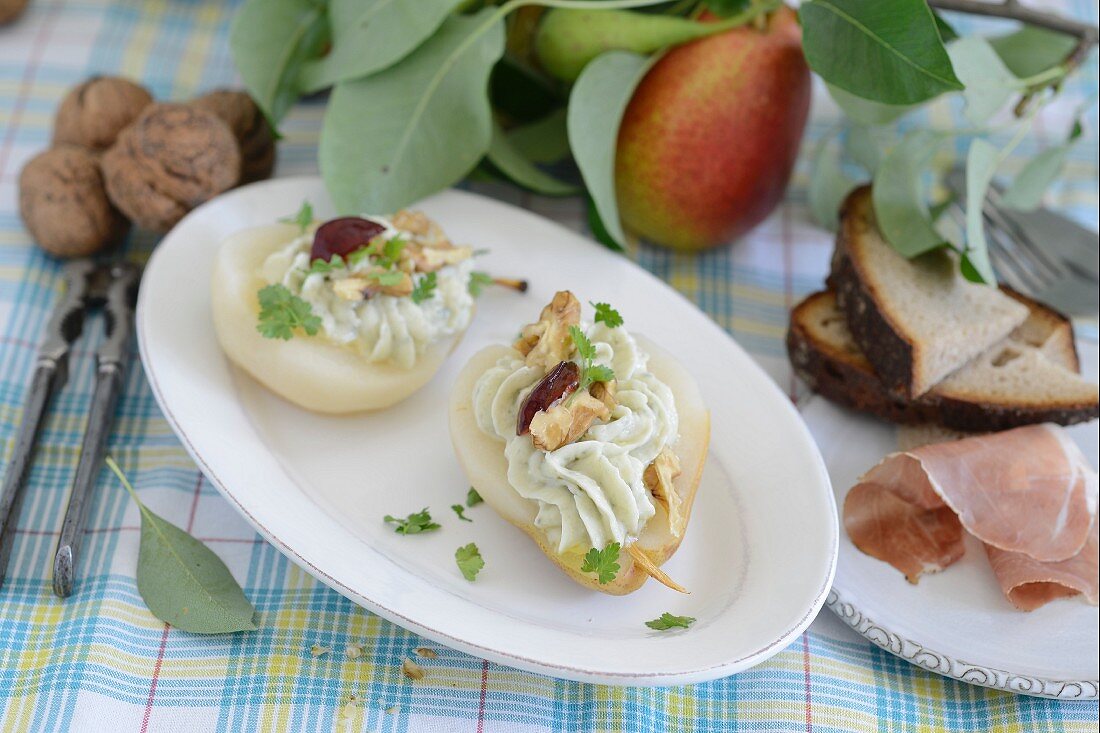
{"points": [[1039, 253]]}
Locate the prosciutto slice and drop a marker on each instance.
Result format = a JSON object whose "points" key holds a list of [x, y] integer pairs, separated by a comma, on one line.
{"points": [[1028, 494]]}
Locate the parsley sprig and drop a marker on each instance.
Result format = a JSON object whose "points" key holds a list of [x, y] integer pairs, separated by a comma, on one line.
{"points": [[303, 218], [590, 372], [461, 512], [667, 621], [391, 252], [607, 315], [416, 523], [473, 498], [605, 563], [281, 312], [324, 267], [478, 281], [425, 289], [469, 561], [386, 277]]}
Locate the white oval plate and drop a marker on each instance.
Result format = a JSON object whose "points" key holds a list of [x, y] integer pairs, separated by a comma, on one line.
{"points": [[758, 557], [957, 622]]}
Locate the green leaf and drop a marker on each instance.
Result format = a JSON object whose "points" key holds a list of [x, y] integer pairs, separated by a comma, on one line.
{"points": [[989, 83], [461, 512], [726, 8], [584, 347], [416, 523], [1027, 189], [511, 162], [181, 581], [1032, 50], [899, 200], [371, 35], [425, 288], [947, 32], [542, 141], [281, 312], [569, 39], [428, 115], [478, 282], [473, 498], [828, 185], [468, 559], [387, 278], [600, 373], [596, 108], [596, 226], [522, 94], [271, 40], [605, 563], [667, 621], [303, 218], [864, 111], [607, 315], [324, 267], [863, 144], [887, 51], [981, 163]]}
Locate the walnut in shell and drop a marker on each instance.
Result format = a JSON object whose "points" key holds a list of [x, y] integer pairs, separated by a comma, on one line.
{"points": [[64, 204], [254, 134], [95, 112], [171, 159]]}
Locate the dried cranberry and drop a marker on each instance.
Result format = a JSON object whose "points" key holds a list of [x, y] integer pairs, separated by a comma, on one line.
{"points": [[561, 382], [343, 236]]}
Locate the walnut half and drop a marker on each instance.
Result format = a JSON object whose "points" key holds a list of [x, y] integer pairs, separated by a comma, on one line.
{"points": [[547, 342], [658, 478], [566, 421], [358, 287]]}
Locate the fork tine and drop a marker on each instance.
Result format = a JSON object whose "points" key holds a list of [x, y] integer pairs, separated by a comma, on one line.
{"points": [[1050, 268], [1008, 257]]}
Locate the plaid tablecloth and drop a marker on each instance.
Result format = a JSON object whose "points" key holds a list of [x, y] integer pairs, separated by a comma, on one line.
{"points": [[100, 661]]}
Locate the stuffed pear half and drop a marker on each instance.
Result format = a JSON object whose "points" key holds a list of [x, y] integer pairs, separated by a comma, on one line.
{"points": [[589, 439], [350, 315]]}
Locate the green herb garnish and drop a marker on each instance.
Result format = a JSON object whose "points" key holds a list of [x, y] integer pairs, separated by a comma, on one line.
{"points": [[469, 561], [281, 312], [590, 372], [303, 218], [473, 498], [667, 621], [354, 258], [391, 252], [386, 277], [605, 562], [478, 281], [607, 315], [321, 267], [424, 289], [460, 511], [416, 523]]}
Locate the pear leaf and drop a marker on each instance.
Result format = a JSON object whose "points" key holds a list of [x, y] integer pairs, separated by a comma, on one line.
{"points": [[369, 35], [182, 581], [863, 145], [898, 195], [988, 81], [544, 140], [596, 107], [891, 49], [981, 163], [508, 159], [271, 40], [1027, 189], [1032, 50], [828, 185], [864, 111], [429, 119]]}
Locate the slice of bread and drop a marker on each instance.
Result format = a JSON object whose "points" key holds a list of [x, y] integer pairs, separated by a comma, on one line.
{"points": [[1029, 377], [917, 320]]}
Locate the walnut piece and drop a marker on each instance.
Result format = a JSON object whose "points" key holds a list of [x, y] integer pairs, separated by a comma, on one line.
{"points": [[547, 342], [430, 259], [64, 204], [658, 478], [566, 421], [425, 231], [605, 393], [171, 159], [361, 287], [254, 135], [93, 114]]}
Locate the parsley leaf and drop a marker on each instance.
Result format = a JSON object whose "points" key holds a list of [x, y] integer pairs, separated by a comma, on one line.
{"points": [[605, 562], [590, 373], [425, 289], [281, 312], [386, 277], [320, 267], [459, 510], [391, 252], [415, 523], [607, 315], [473, 498], [303, 218], [478, 281], [667, 621], [469, 561], [354, 258]]}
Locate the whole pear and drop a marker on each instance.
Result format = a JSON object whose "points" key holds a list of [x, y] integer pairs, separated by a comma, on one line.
{"points": [[708, 141]]}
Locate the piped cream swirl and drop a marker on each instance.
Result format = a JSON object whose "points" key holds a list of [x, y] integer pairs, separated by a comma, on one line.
{"points": [[589, 492]]}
